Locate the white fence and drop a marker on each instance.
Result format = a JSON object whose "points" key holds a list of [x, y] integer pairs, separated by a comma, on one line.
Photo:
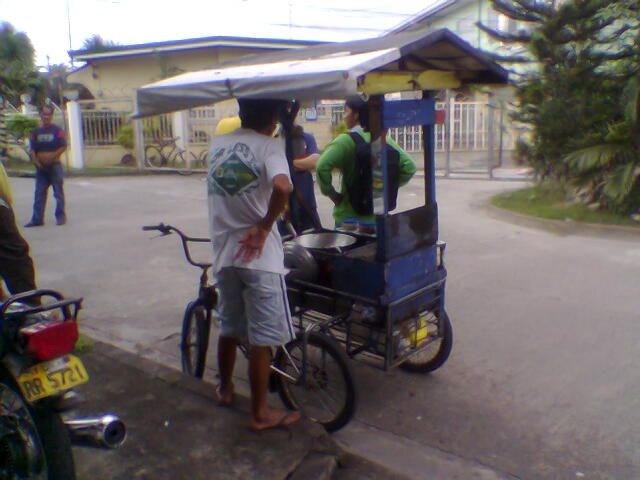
{"points": [[468, 128], [467, 123], [102, 127], [202, 125]]}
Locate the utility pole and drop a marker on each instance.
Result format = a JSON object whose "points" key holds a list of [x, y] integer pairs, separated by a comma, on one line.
{"points": [[290, 18], [69, 27]]}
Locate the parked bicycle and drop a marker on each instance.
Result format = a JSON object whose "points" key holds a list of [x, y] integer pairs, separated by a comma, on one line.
{"points": [[310, 373], [165, 153]]}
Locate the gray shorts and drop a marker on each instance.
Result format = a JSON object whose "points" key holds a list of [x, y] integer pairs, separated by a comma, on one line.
{"points": [[253, 306]]}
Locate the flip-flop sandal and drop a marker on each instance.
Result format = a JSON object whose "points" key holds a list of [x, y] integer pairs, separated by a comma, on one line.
{"points": [[288, 419], [223, 403]]}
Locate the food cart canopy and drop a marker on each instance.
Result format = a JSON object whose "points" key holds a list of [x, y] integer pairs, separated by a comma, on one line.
{"points": [[429, 60]]}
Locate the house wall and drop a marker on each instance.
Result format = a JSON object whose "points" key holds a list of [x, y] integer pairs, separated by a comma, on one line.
{"points": [[461, 19], [120, 77], [113, 82]]}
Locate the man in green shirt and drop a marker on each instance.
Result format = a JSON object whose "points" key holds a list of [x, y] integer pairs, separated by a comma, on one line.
{"points": [[340, 154]]}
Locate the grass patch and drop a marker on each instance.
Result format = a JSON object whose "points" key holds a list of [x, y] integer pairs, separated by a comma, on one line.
{"points": [[21, 168], [17, 166], [545, 201], [105, 172], [83, 345]]}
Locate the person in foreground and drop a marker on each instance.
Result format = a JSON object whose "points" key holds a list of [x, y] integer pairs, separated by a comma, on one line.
{"points": [[47, 144], [248, 185], [16, 265]]}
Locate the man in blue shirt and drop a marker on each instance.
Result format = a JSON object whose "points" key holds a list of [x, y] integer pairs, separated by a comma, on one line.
{"points": [[304, 209], [47, 144]]}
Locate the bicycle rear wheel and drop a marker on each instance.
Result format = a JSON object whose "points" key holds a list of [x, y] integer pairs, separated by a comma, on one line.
{"points": [[153, 157], [322, 387], [179, 161], [194, 343]]}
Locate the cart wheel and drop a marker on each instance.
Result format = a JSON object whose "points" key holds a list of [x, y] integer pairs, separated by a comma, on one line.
{"points": [[196, 327], [434, 356], [327, 393]]}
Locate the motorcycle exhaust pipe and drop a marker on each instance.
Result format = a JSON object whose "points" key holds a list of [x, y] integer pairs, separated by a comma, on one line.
{"points": [[106, 431]]}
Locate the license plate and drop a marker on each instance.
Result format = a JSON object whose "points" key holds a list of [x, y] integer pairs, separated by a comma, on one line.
{"points": [[48, 378]]}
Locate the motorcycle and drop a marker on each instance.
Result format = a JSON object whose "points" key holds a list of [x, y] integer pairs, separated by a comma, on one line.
{"points": [[38, 375]]}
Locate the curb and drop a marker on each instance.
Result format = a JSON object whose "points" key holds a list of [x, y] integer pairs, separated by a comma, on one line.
{"points": [[321, 462], [620, 232]]}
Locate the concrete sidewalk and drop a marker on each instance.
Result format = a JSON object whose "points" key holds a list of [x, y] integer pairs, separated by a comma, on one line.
{"points": [[176, 431]]}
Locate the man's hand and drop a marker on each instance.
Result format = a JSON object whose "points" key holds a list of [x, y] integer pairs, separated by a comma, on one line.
{"points": [[306, 164], [45, 158], [252, 243]]}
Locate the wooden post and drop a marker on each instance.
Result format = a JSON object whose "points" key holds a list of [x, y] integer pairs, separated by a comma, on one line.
{"points": [[76, 141], [491, 147], [378, 155], [138, 142], [181, 132], [428, 146]]}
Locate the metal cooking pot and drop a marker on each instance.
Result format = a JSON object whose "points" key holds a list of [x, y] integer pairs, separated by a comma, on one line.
{"points": [[325, 240], [299, 262]]}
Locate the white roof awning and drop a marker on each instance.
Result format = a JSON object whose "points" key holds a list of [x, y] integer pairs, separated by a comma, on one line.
{"points": [[335, 70], [335, 75]]}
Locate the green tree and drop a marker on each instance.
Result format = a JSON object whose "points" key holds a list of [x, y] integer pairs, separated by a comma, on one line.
{"points": [[580, 52], [608, 171], [17, 67]]}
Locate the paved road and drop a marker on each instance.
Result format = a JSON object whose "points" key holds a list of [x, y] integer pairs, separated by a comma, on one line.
{"points": [[543, 380]]}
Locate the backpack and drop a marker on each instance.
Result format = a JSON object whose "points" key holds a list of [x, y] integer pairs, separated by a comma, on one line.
{"points": [[361, 189]]}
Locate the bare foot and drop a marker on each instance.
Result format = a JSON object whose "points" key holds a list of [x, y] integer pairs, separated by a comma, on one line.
{"points": [[275, 418], [225, 396]]}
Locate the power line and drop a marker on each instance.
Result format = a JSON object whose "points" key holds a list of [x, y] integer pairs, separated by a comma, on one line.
{"points": [[362, 10], [326, 27]]}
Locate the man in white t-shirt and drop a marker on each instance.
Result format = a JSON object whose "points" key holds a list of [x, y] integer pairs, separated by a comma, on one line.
{"points": [[248, 186]]}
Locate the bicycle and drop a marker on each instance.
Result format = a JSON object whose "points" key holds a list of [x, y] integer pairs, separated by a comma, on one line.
{"points": [[156, 155], [199, 161], [303, 371]]}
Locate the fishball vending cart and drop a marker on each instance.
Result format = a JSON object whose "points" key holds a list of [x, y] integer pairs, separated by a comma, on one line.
{"points": [[382, 296]]}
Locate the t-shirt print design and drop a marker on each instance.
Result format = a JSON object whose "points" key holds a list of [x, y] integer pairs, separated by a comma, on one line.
{"points": [[45, 137], [233, 171]]}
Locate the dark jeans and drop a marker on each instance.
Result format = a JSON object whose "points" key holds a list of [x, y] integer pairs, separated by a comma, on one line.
{"points": [[16, 266], [51, 175]]}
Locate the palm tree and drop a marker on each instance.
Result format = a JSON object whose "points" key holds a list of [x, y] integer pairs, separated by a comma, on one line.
{"points": [[95, 43], [609, 173]]}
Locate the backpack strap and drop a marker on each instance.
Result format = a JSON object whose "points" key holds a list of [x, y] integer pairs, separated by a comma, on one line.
{"points": [[357, 139]]}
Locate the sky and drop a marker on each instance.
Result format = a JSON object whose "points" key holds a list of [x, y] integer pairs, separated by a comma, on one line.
{"points": [[55, 25]]}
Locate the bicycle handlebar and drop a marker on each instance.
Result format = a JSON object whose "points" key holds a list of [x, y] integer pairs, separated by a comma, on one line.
{"points": [[160, 227], [167, 229]]}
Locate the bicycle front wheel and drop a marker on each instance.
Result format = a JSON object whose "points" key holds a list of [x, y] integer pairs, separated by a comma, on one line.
{"points": [[194, 342], [321, 387]]}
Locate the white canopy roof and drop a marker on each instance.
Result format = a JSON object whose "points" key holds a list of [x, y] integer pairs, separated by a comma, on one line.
{"points": [[334, 75], [321, 71]]}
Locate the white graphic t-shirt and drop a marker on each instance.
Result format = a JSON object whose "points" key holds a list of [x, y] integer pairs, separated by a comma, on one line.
{"points": [[242, 166]]}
